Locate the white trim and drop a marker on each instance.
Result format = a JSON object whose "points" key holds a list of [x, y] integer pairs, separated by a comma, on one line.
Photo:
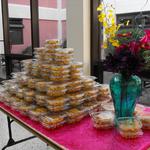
{"points": [[63, 14], [23, 11]]}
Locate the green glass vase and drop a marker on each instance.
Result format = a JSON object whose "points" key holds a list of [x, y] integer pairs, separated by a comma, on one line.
{"points": [[125, 93]]}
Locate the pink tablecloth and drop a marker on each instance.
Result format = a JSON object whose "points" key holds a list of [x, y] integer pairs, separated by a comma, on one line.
{"points": [[82, 136]]}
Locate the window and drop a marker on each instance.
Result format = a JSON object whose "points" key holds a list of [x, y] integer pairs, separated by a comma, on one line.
{"points": [[16, 31], [135, 19]]}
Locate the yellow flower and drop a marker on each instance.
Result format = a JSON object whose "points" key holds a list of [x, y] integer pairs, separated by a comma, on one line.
{"points": [[105, 44], [100, 7], [101, 17]]}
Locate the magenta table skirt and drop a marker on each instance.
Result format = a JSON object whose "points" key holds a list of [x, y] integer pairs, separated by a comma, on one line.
{"points": [[82, 136]]}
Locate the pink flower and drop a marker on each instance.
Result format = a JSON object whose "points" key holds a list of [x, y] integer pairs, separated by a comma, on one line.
{"points": [[134, 47], [146, 38]]}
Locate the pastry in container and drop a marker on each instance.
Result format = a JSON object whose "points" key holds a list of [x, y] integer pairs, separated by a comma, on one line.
{"points": [[57, 93], [25, 108], [76, 65], [129, 127], [76, 70], [107, 106], [53, 121], [59, 68], [59, 79], [60, 73], [45, 68], [23, 80], [20, 92], [57, 101], [56, 87], [74, 89], [144, 116], [74, 115], [103, 119], [32, 82], [36, 113], [29, 96], [52, 41], [17, 103], [74, 83], [58, 108], [45, 76], [76, 102], [41, 86], [75, 76], [76, 96], [62, 61], [91, 92], [64, 51], [41, 99]]}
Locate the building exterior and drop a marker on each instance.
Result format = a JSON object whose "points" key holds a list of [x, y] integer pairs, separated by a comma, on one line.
{"points": [[52, 23]]}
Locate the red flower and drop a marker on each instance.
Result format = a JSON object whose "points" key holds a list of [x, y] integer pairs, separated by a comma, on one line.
{"points": [[134, 47], [146, 38]]}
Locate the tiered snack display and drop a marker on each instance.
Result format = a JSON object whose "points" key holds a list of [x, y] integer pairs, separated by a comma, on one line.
{"points": [[52, 88]]}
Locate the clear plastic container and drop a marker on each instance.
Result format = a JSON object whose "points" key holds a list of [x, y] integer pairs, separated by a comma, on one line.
{"points": [[57, 108], [103, 119], [74, 83], [62, 62], [59, 101], [77, 102], [37, 113], [75, 76], [74, 89], [59, 79], [20, 93], [56, 87], [76, 96], [52, 41], [145, 119], [91, 92], [64, 51], [56, 93], [129, 127], [41, 99], [108, 106], [87, 86], [29, 96], [23, 80], [59, 68], [76, 70], [45, 76], [32, 82], [52, 121], [76, 65], [41, 86], [17, 103], [25, 108], [60, 73]]}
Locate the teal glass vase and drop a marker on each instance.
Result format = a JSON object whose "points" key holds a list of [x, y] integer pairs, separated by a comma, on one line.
{"points": [[125, 93]]}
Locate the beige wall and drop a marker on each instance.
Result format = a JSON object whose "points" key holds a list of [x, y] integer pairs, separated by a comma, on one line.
{"points": [[78, 30]]}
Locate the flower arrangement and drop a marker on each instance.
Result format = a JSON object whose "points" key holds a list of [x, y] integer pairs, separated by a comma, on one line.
{"points": [[127, 50]]}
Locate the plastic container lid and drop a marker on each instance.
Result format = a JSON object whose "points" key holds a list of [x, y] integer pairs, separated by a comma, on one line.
{"points": [[103, 117]]}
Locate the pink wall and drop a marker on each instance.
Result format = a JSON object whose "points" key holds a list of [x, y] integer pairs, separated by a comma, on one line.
{"points": [[42, 3], [26, 37], [48, 30], [64, 3]]}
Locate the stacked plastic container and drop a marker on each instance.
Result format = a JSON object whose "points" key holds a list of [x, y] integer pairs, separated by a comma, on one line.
{"points": [[52, 88]]}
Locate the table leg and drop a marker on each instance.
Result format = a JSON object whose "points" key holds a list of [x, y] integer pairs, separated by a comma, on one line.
{"points": [[11, 141]]}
